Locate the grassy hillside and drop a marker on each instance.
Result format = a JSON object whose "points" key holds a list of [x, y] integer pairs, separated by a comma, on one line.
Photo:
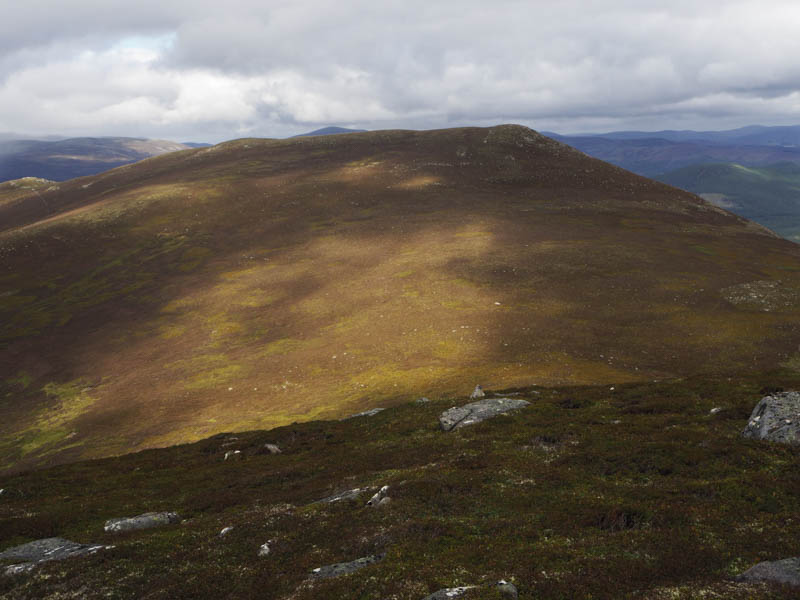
{"points": [[75, 157], [768, 195], [630, 492], [261, 282]]}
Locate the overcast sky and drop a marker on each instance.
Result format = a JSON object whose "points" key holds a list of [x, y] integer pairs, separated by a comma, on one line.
{"points": [[199, 70]]}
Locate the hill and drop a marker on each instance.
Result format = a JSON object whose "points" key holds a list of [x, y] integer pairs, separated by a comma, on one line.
{"points": [[768, 195], [643, 491], [330, 131], [75, 157], [261, 282]]}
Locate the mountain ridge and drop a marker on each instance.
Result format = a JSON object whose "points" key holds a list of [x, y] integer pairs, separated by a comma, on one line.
{"points": [[261, 282]]}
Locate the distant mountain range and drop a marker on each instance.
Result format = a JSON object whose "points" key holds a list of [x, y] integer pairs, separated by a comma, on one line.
{"points": [[330, 131], [76, 157], [752, 171]]}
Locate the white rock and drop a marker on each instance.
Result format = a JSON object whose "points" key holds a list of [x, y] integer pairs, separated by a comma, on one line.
{"points": [[379, 496], [264, 549], [225, 531]]}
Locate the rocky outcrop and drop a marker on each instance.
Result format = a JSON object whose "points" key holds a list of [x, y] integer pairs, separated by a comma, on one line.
{"points": [[475, 412], [346, 495], [786, 571], [338, 569], [381, 497], [776, 418], [367, 413], [144, 521], [27, 556], [448, 593]]}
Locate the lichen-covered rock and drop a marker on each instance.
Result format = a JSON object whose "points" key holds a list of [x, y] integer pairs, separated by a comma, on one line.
{"points": [[379, 497], [338, 569], [507, 589], [475, 412], [27, 556], [776, 418], [448, 593], [786, 571], [143, 521]]}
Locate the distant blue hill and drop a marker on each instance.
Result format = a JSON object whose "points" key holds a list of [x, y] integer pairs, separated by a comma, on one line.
{"points": [[330, 131]]}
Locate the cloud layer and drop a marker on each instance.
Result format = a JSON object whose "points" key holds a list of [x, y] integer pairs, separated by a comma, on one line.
{"points": [[211, 71]]}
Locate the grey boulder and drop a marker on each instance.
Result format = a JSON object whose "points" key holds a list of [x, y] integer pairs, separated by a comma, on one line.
{"points": [[776, 418], [477, 393], [346, 495], [786, 571], [30, 554], [475, 412], [338, 569], [143, 521]]}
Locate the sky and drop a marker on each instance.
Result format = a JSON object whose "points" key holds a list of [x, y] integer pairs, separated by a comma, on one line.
{"points": [[194, 70]]}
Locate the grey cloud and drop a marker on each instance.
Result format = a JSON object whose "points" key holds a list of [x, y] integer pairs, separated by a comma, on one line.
{"points": [[247, 67]]}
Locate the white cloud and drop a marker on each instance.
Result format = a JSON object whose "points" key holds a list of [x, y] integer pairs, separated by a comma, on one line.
{"points": [[209, 70]]}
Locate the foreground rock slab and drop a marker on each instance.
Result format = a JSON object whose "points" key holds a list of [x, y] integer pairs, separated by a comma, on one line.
{"points": [[143, 521], [338, 569], [786, 571], [475, 412], [39, 551], [776, 418]]}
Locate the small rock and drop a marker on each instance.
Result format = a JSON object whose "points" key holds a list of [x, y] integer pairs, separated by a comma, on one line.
{"points": [[507, 589], [338, 569], [382, 494], [143, 521], [477, 393], [264, 549], [475, 412], [272, 448], [233, 454], [422, 400], [715, 410], [384, 501], [776, 418], [786, 571], [225, 531], [448, 593], [367, 413]]}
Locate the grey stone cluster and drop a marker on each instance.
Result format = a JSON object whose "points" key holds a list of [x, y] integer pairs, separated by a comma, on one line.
{"points": [[786, 571], [776, 418]]}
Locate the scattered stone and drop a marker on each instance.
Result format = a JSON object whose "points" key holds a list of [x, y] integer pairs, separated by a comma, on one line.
{"points": [[264, 550], [379, 497], [31, 554], [345, 568], [776, 418], [225, 531], [143, 521], [347, 495], [786, 571], [367, 413], [715, 410], [475, 412], [422, 400], [477, 393], [507, 589], [233, 454], [448, 593], [272, 448]]}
